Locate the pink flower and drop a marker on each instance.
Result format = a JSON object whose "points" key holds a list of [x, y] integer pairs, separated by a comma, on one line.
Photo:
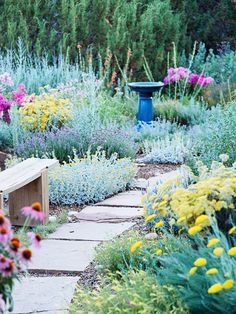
{"points": [[200, 79], [18, 96], [5, 234], [26, 255], [9, 268], [4, 103], [35, 238], [34, 212], [6, 79], [176, 74]]}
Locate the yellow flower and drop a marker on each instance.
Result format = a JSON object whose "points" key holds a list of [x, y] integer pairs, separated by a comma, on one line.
{"points": [[218, 251], [200, 262], [212, 242], [159, 224], [136, 246], [232, 251], [194, 230], [192, 270], [158, 252], [212, 271], [228, 284], [232, 230], [217, 287], [181, 220], [231, 206], [150, 217], [202, 220]]}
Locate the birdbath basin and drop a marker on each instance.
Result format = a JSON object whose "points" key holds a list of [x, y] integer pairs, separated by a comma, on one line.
{"points": [[145, 90]]}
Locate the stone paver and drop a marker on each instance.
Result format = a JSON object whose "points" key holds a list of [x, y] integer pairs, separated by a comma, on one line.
{"points": [[43, 294], [161, 178], [131, 198], [63, 255], [111, 214], [91, 231]]}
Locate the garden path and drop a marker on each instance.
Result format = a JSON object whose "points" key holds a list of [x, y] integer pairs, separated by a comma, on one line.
{"points": [[66, 253]]}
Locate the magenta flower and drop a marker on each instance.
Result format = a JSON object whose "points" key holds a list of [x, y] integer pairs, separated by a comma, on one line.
{"points": [[4, 103], [200, 79], [176, 74], [18, 96], [34, 212]]}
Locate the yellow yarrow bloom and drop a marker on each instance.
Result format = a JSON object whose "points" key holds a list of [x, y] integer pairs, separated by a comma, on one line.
{"points": [[182, 220], [218, 251], [212, 242], [228, 284], [143, 199], [202, 220], [212, 271], [232, 251], [192, 270], [200, 262], [217, 287], [194, 230], [136, 246], [159, 252], [159, 224], [232, 230], [150, 217]]}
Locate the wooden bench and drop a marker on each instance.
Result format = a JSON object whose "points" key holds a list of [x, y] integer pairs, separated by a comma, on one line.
{"points": [[26, 183]]}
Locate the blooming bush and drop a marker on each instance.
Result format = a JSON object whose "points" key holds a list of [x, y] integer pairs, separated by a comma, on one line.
{"points": [[185, 82], [15, 253], [90, 179], [211, 195], [40, 112]]}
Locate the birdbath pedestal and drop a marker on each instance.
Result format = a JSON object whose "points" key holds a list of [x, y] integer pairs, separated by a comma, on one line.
{"points": [[145, 105]]}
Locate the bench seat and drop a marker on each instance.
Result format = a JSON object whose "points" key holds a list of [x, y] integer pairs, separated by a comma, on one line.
{"points": [[26, 183]]}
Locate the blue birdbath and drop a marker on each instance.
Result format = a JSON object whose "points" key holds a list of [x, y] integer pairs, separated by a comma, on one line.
{"points": [[145, 90]]}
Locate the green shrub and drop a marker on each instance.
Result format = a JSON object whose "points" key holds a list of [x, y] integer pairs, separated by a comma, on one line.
{"points": [[215, 137], [147, 27], [90, 179], [135, 293], [190, 113]]}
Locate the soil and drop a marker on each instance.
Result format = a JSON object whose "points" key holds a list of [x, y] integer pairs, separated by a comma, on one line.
{"points": [[145, 171]]}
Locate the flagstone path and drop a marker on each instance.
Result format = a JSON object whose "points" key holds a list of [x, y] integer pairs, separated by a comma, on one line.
{"points": [[71, 249]]}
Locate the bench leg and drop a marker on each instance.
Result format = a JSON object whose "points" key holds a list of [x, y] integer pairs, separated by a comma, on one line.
{"points": [[35, 191]]}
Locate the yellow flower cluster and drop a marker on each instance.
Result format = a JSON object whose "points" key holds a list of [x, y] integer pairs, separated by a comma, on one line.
{"points": [[193, 206], [39, 111]]}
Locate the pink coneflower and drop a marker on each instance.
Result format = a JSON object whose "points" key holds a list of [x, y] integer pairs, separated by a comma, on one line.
{"points": [[15, 245], [3, 262], [34, 211], [5, 234], [26, 255], [35, 238], [9, 269]]}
